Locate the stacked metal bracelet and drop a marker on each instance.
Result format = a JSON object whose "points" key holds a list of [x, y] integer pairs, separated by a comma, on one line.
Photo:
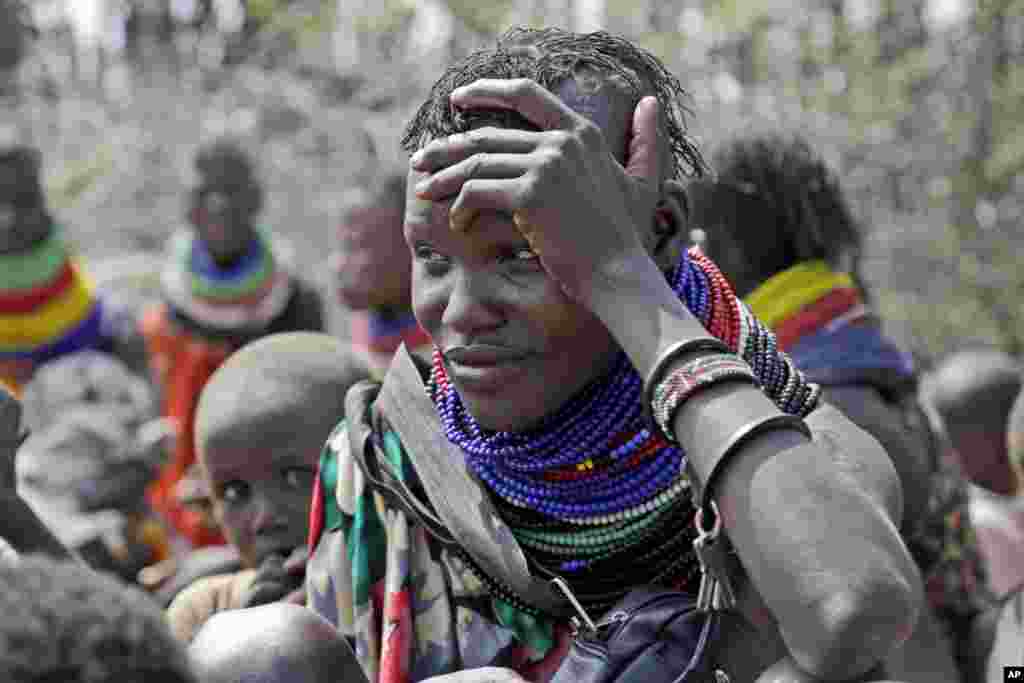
{"points": [[690, 378]]}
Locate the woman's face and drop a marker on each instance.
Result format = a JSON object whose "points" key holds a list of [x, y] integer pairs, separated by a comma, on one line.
{"points": [[515, 347], [371, 260]]}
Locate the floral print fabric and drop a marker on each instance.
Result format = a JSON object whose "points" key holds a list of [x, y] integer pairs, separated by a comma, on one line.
{"points": [[410, 608]]}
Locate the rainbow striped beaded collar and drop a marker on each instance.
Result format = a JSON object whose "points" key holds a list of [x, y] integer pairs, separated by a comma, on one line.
{"points": [[247, 294], [593, 491], [802, 299], [48, 306], [821, 319]]}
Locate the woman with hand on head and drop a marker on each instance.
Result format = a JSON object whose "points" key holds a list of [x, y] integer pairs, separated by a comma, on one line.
{"points": [[545, 219]]}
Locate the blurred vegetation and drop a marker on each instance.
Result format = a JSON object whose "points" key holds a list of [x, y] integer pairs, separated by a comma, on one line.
{"points": [[915, 103]]}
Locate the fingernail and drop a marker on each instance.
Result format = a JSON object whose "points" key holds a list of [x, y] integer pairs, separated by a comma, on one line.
{"points": [[458, 93], [416, 159], [458, 219]]}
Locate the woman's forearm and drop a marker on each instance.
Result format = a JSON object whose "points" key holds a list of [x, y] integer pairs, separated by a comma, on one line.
{"points": [[814, 535], [812, 521]]}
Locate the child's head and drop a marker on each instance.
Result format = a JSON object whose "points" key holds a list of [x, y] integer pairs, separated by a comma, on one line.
{"points": [[276, 643], [260, 425], [63, 622]]}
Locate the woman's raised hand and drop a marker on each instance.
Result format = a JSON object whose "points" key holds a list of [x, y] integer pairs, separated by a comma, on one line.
{"points": [[576, 205]]}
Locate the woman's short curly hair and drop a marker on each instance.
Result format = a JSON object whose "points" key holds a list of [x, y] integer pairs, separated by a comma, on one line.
{"points": [[549, 56], [63, 622]]}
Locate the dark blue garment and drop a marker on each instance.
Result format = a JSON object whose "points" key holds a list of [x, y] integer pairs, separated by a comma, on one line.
{"points": [[855, 353]]}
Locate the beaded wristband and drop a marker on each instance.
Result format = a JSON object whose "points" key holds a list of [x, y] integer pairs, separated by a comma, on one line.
{"points": [[667, 357], [683, 382]]}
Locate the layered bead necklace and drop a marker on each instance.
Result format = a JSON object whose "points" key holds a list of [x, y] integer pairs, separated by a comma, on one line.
{"points": [[592, 491]]}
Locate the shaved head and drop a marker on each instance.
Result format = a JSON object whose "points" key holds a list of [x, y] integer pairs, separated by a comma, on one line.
{"points": [[276, 643], [972, 393], [276, 384]]}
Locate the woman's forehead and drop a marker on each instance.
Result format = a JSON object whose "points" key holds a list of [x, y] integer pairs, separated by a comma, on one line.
{"points": [[429, 221]]}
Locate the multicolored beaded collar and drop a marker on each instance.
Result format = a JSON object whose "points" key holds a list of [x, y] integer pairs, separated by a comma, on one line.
{"points": [[248, 294], [593, 491], [804, 298], [48, 308], [376, 335], [820, 318]]}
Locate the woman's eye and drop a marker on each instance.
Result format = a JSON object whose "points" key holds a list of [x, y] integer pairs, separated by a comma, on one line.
{"points": [[234, 492], [299, 477], [428, 255]]}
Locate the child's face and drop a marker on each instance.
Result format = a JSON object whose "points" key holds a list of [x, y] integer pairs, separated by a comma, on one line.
{"points": [[261, 494]]}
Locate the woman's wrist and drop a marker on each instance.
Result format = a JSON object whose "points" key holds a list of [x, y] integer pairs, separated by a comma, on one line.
{"points": [[644, 316]]}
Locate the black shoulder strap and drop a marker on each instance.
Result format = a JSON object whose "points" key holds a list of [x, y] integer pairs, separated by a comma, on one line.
{"points": [[456, 496], [379, 475]]}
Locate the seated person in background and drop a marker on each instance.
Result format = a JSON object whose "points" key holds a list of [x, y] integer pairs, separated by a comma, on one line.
{"points": [[49, 306], [95, 445], [1008, 627], [971, 394], [277, 643], [776, 221], [226, 283], [545, 216], [262, 420], [371, 267], [63, 622]]}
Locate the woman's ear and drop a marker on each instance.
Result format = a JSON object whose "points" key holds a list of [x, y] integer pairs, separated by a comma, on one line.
{"points": [[669, 226]]}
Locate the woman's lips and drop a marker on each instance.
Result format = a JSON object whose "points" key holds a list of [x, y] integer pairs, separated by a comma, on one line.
{"points": [[483, 368]]}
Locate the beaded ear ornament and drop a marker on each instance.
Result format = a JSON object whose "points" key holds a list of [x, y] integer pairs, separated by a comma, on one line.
{"points": [[594, 490]]}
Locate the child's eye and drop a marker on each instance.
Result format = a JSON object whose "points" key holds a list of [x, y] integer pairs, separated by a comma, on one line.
{"points": [[299, 477], [235, 492], [518, 255]]}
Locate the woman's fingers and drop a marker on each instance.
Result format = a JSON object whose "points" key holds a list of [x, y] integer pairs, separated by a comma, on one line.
{"points": [[455, 148], [482, 166], [484, 195], [646, 151], [527, 97]]}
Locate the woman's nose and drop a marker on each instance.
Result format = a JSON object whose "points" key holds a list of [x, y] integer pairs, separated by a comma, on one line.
{"points": [[471, 307]]}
